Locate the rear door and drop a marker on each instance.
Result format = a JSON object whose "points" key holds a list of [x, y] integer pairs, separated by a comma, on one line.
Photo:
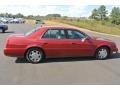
{"points": [[55, 43]]}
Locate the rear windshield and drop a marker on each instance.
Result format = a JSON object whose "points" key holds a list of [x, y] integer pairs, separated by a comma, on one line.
{"points": [[32, 31]]}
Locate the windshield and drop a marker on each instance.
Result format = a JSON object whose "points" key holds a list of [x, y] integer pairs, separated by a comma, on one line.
{"points": [[32, 31]]}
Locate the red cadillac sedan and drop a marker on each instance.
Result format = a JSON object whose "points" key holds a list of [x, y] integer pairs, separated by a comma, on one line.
{"points": [[54, 41]]}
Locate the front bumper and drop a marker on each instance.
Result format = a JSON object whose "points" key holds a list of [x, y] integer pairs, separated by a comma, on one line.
{"points": [[5, 27], [114, 51]]}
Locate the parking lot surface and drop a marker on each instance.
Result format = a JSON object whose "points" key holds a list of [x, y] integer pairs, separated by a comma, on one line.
{"points": [[60, 70]]}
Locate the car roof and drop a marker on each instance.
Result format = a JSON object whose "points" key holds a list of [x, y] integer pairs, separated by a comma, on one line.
{"points": [[55, 27]]}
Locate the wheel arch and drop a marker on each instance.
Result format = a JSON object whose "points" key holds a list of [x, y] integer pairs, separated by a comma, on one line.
{"points": [[106, 46], [44, 55]]}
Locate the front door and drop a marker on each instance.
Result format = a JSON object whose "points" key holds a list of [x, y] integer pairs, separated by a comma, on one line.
{"points": [[76, 44]]}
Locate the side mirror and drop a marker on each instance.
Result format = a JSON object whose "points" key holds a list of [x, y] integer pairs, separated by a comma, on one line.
{"points": [[86, 39]]}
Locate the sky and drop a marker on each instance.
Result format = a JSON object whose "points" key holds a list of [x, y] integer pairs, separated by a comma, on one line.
{"points": [[34, 7], [64, 10]]}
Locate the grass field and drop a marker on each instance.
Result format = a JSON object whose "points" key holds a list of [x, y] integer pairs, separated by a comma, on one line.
{"points": [[29, 21], [92, 25]]}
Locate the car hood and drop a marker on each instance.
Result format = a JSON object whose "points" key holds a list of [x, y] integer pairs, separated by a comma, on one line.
{"points": [[101, 39]]}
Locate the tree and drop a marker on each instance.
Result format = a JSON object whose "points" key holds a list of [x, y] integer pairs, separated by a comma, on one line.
{"points": [[102, 12], [9, 15], [19, 15], [30, 17], [94, 14], [115, 15], [53, 15]]}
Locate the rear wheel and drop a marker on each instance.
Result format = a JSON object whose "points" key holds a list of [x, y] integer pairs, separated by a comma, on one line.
{"points": [[34, 55], [102, 53], [3, 30]]}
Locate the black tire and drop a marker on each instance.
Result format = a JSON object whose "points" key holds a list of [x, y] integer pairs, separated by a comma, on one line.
{"points": [[3, 30], [104, 55], [34, 55]]}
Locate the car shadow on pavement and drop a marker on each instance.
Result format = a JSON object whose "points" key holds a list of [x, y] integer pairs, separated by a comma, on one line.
{"points": [[7, 32], [50, 60], [21, 60], [115, 56], [67, 59]]}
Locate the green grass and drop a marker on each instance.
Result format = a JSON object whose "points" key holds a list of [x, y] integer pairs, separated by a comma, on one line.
{"points": [[98, 26]]}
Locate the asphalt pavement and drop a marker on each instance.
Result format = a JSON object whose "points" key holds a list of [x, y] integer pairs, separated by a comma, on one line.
{"points": [[61, 71]]}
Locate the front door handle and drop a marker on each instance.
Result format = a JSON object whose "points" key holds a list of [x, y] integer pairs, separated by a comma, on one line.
{"points": [[76, 43]]}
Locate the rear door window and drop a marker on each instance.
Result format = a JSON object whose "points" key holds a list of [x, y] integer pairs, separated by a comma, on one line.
{"points": [[54, 34]]}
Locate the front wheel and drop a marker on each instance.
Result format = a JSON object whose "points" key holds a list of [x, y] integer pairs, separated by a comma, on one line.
{"points": [[102, 53], [34, 55]]}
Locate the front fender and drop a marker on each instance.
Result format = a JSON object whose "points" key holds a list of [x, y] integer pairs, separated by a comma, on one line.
{"points": [[104, 45]]}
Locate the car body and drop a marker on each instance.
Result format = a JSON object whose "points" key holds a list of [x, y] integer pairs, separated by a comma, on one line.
{"points": [[3, 27], [12, 20], [9, 20], [15, 20], [21, 20], [18, 20], [4, 20], [54, 41], [40, 22]]}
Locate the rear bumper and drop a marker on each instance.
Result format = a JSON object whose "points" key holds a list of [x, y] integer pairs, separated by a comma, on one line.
{"points": [[5, 28], [14, 52]]}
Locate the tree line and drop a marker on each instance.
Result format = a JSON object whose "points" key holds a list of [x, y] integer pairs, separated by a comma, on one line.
{"points": [[102, 14], [19, 15], [8, 15]]}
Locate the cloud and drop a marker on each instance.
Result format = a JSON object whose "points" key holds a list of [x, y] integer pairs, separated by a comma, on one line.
{"points": [[66, 10], [38, 2], [77, 10], [59, 2]]}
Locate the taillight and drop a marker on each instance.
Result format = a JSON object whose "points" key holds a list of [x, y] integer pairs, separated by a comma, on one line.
{"points": [[7, 42]]}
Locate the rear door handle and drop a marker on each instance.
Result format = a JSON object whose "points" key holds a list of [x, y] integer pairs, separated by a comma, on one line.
{"points": [[74, 43], [45, 43]]}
